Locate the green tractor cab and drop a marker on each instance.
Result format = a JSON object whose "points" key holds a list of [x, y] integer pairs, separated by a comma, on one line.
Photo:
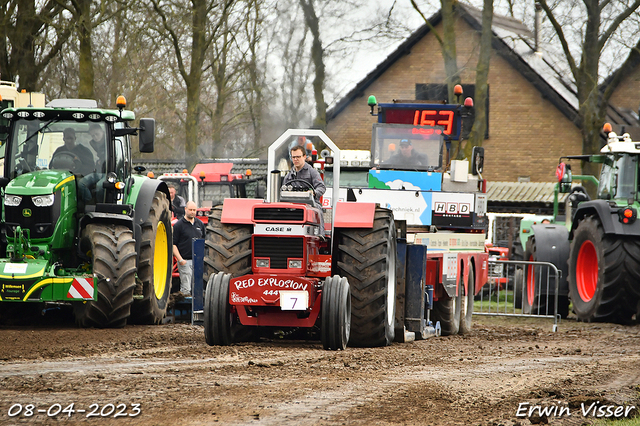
{"points": [[77, 225]]}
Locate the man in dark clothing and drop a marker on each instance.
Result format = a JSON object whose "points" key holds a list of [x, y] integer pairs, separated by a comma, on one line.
{"points": [[184, 232], [407, 156], [82, 156], [304, 171], [177, 202]]}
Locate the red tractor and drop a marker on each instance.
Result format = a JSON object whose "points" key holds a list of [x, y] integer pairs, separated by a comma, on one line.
{"points": [[271, 266]]}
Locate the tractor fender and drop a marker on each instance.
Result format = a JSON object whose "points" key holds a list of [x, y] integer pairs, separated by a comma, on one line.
{"points": [[142, 200], [354, 215], [552, 245], [608, 217]]}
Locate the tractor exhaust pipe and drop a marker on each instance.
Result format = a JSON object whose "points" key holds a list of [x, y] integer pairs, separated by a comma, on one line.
{"points": [[275, 181]]}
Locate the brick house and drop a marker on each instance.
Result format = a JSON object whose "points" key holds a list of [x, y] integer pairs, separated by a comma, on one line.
{"points": [[532, 109]]}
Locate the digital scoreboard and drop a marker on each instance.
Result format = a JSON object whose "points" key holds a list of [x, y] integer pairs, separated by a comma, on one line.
{"points": [[445, 119]]}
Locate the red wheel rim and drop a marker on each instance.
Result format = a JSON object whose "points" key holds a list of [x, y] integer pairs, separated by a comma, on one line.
{"points": [[531, 279], [587, 271]]}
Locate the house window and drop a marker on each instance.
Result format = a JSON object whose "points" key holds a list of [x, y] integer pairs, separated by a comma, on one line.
{"points": [[438, 93]]}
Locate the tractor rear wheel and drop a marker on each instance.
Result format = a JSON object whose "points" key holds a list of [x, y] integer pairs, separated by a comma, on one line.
{"points": [[336, 313], [518, 285], [227, 247], [448, 310], [535, 301], [466, 308], [113, 252], [367, 258], [154, 267], [603, 270], [218, 318]]}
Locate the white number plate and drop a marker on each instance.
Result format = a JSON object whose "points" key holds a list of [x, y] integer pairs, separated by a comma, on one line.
{"points": [[291, 300]]}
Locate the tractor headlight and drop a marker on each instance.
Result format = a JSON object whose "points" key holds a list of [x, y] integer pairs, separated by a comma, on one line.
{"points": [[295, 264], [111, 177], [43, 200], [12, 200], [262, 263]]}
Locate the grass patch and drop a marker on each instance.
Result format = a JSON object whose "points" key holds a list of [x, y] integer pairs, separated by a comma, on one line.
{"points": [[494, 302]]}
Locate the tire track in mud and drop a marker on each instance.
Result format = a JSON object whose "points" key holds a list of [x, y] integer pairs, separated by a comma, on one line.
{"points": [[496, 378]]}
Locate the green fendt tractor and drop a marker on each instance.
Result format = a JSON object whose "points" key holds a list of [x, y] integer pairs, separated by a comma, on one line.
{"points": [[597, 243], [77, 226]]}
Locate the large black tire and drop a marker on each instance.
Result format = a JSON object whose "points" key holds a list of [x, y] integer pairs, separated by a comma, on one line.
{"points": [[535, 301], [227, 247], [448, 310], [218, 318], [466, 308], [367, 258], [113, 252], [518, 285], [336, 313], [604, 271], [155, 263]]}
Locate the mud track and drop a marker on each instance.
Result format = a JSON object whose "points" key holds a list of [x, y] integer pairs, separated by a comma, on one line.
{"points": [[482, 378]]}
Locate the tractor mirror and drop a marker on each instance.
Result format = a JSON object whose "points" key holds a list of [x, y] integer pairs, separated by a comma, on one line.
{"points": [[147, 134], [477, 160], [563, 173]]}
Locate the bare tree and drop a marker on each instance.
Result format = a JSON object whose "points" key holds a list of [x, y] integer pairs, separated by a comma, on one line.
{"points": [[317, 55], [31, 37], [603, 19], [479, 128], [87, 15], [206, 24]]}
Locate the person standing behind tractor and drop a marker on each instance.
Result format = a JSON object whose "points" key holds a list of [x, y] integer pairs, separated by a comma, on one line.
{"points": [[177, 202], [184, 232]]}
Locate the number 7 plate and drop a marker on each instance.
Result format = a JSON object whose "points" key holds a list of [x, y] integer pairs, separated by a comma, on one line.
{"points": [[291, 300]]}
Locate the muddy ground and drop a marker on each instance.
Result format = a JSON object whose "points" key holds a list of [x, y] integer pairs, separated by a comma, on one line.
{"points": [[167, 375]]}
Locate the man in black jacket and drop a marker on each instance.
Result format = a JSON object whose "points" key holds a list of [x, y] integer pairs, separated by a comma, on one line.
{"points": [[184, 232]]}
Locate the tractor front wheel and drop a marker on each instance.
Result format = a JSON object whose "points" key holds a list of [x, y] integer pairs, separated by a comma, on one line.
{"points": [[113, 253], [539, 287], [367, 258], [154, 268], [217, 311], [603, 269], [336, 313]]}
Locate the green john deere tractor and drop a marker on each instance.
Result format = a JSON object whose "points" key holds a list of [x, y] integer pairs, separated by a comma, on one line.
{"points": [[77, 225]]}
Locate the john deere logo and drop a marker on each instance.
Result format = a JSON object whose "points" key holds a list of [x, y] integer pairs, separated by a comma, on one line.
{"points": [[26, 212]]}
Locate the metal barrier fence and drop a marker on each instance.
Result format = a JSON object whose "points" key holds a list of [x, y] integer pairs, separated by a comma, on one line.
{"points": [[520, 289]]}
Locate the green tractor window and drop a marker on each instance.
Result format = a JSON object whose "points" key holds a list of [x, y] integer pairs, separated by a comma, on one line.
{"points": [[618, 178]]}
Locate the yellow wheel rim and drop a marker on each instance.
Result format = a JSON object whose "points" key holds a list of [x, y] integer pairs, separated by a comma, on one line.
{"points": [[160, 261]]}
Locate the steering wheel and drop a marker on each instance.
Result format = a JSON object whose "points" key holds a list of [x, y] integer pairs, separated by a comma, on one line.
{"points": [[63, 160], [297, 187]]}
